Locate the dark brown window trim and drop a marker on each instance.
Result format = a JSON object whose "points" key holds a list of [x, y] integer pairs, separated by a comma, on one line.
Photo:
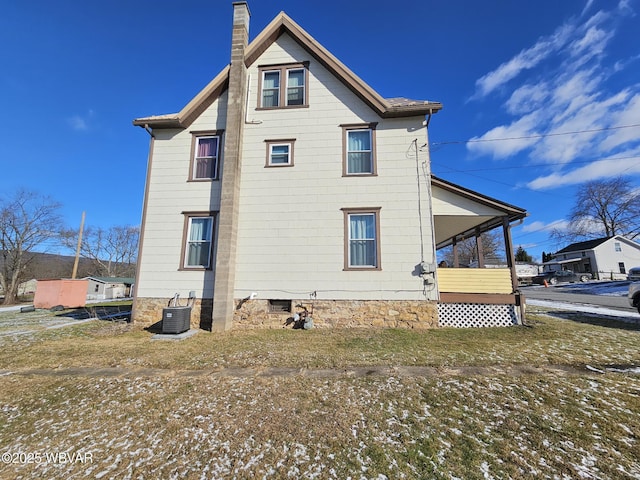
{"points": [[346, 127], [205, 133], [355, 210], [288, 141], [185, 230], [283, 67]]}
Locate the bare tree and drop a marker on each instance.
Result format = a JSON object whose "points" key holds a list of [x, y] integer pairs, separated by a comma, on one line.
{"points": [[492, 247], [113, 251], [27, 220], [603, 208]]}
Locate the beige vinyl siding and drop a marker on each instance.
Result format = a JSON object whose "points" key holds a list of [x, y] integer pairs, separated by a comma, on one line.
{"points": [[170, 194], [291, 238], [474, 280]]}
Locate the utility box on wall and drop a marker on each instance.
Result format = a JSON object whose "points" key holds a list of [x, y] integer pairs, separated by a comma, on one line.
{"points": [[65, 292]]}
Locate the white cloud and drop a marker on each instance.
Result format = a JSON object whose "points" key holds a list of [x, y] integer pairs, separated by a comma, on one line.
{"points": [[567, 108], [526, 59], [80, 122], [527, 98], [537, 226], [607, 168], [519, 132]]}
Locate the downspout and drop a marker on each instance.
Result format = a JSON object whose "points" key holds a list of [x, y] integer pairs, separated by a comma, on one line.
{"points": [[145, 201], [427, 173]]}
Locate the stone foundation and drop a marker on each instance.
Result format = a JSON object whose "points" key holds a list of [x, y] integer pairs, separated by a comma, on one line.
{"points": [[326, 313], [342, 313], [148, 311]]}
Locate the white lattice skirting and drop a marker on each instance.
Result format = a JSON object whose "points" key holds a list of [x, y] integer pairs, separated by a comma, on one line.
{"points": [[471, 315]]}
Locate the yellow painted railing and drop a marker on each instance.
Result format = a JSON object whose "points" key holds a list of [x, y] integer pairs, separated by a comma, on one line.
{"points": [[474, 280]]}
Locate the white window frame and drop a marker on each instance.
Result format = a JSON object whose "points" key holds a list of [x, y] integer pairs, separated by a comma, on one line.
{"points": [[208, 239], [214, 159], [278, 89], [279, 143], [373, 213], [284, 72], [303, 87], [347, 130]]}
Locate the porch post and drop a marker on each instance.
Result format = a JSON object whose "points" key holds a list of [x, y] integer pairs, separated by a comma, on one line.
{"points": [[479, 249], [456, 263], [508, 249]]}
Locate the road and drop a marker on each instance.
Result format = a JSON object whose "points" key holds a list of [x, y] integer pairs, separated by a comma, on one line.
{"points": [[560, 294]]}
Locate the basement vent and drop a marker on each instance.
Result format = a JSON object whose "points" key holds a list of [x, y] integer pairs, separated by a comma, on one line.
{"points": [[279, 306], [470, 315]]}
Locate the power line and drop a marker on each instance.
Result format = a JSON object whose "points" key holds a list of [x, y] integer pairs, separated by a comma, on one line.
{"points": [[526, 137], [536, 165]]}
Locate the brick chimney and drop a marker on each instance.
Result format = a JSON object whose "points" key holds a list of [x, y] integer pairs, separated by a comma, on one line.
{"points": [[225, 272]]}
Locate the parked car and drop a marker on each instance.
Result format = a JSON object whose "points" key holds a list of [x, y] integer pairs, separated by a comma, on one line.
{"points": [[561, 276], [634, 295], [634, 274]]}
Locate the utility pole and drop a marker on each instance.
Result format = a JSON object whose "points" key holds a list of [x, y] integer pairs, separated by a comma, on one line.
{"points": [[75, 263]]}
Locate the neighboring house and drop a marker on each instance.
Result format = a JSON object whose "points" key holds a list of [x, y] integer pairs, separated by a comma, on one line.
{"points": [[288, 181], [607, 258], [103, 288]]}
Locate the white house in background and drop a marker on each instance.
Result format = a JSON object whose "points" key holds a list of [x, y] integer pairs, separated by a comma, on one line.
{"points": [[288, 180], [607, 258], [103, 288]]}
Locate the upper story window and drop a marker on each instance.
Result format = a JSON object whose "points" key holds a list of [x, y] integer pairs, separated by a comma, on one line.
{"points": [[617, 246], [205, 155], [284, 86], [280, 153], [359, 149], [198, 246]]}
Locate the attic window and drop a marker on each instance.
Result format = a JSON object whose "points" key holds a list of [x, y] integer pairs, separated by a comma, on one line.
{"points": [[284, 86], [617, 246]]}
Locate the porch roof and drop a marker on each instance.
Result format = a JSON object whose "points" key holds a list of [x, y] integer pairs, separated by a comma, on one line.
{"points": [[460, 213]]}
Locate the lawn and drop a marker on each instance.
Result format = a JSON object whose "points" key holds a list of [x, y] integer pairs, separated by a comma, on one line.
{"points": [[547, 401]]}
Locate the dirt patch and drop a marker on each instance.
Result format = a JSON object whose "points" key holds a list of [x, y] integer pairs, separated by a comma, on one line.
{"points": [[357, 372]]}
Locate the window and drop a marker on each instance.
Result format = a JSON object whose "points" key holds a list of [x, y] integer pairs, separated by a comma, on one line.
{"points": [[617, 247], [280, 153], [362, 233], [359, 149], [205, 153], [279, 306], [621, 267], [197, 250], [295, 79]]}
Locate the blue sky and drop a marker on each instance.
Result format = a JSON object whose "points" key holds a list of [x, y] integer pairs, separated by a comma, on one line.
{"points": [[514, 78]]}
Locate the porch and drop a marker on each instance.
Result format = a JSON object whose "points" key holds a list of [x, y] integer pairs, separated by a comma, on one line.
{"points": [[475, 297]]}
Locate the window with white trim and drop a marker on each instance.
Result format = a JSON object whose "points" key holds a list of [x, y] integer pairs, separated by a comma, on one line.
{"points": [[359, 150], [617, 246], [205, 155], [283, 86], [362, 233], [280, 153], [198, 248]]}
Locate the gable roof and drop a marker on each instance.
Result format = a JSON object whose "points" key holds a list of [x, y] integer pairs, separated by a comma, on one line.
{"points": [[448, 226], [591, 244], [386, 108]]}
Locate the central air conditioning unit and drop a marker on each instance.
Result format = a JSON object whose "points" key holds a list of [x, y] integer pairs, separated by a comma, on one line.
{"points": [[176, 319]]}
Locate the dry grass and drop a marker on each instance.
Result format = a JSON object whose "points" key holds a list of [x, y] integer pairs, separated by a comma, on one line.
{"points": [[187, 420]]}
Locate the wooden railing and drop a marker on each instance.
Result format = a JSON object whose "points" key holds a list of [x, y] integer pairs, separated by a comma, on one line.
{"points": [[474, 280]]}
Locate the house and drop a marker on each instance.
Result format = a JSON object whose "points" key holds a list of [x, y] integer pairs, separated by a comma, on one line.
{"points": [[288, 182], [607, 258], [101, 288]]}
